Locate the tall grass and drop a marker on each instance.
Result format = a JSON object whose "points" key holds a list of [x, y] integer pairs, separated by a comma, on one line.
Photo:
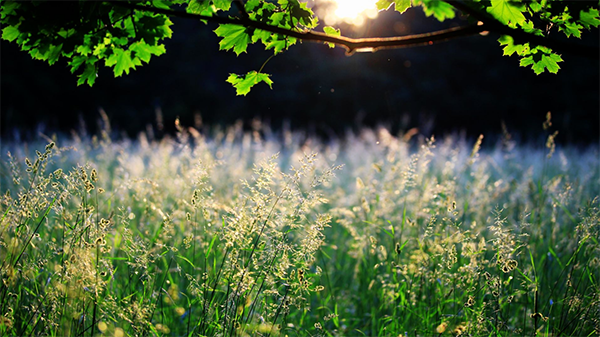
{"points": [[242, 234]]}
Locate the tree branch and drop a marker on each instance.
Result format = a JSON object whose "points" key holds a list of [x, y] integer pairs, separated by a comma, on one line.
{"points": [[351, 45], [520, 36], [373, 44]]}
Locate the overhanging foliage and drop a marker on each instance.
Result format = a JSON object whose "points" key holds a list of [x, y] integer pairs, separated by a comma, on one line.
{"points": [[123, 35]]}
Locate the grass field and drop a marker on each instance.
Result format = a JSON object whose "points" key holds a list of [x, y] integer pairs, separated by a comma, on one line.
{"points": [[248, 234]]}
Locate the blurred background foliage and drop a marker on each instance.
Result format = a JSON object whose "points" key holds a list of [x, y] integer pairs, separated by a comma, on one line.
{"points": [[464, 85]]}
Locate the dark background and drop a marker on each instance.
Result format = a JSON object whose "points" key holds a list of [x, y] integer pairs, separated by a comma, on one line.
{"points": [[464, 85]]}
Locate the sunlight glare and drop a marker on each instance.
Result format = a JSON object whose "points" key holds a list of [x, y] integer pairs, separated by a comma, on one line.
{"points": [[350, 11]]}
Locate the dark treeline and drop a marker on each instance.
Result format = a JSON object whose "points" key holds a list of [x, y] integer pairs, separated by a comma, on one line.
{"points": [[461, 85]]}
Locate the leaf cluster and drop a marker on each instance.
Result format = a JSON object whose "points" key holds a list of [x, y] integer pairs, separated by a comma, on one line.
{"points": [[86, 33], [126, 34], [540, 18], [537, 17], [287, 14]]}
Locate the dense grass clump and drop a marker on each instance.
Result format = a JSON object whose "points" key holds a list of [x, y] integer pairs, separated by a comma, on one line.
{"points": [[242, 234]]}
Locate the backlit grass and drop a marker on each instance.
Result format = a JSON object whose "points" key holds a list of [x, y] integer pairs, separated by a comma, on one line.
{"points": [[248, 234]]}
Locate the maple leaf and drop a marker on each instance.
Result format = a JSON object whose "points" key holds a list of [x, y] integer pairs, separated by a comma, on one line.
{"points": [[234, 37], [542, 61], [122, 61], [89, 74], [510, 46], [571, 28], [243, 84], [441, 10], [400, 5], [333, 32], [222, 4], [10, 33], [508, 12], [197, 6], [590, 18], [144, 51]]}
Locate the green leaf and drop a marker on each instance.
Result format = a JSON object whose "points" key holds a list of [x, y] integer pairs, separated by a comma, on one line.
{"points": [[54, 53], [243, 84], [508, 12], [153, 28], [511, 48], [528, 27], [280, 43], [300, 12], [542, 61], [590, 18], [252, 4], [10, 33], [441, 10], [163, 4], [550, 62], [400, 5], [332, 31], [76, 62], [84, 50], [234, 36], [261, 35], [121, 60], [89, 75], [222, 4], [144, 51], [277, 17], [571, 28], [197, 6], [8, 8]]}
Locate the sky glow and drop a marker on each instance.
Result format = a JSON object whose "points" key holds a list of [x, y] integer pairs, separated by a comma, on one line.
{"points": [[350, 11]]}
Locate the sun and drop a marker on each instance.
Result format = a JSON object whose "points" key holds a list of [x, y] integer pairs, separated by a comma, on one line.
{"points": [[350, 11]]}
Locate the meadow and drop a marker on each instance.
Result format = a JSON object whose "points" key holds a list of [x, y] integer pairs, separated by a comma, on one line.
{"points": [[234, 233]]}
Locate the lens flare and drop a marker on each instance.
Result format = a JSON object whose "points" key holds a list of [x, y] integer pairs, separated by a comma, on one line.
{"points": [[349, 11]]}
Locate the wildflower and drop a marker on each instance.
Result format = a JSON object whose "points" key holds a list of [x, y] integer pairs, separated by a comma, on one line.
{"points": [[180, 311], [548, 122], [459, 329], [102, 326], [509, 265], [441, 328], [398, 248], [365, 205], [550, 144], [119, 332], [359, 183], [476, 148]]}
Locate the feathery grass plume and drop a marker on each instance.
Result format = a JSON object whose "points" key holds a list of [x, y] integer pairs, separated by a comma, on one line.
{"points": [[551, 144], [548, 122], [475, 150], [211, 235]]}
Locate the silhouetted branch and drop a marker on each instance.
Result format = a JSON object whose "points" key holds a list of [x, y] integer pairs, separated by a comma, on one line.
{"points": [[373, 44], [351, 45], [520, 36]]}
